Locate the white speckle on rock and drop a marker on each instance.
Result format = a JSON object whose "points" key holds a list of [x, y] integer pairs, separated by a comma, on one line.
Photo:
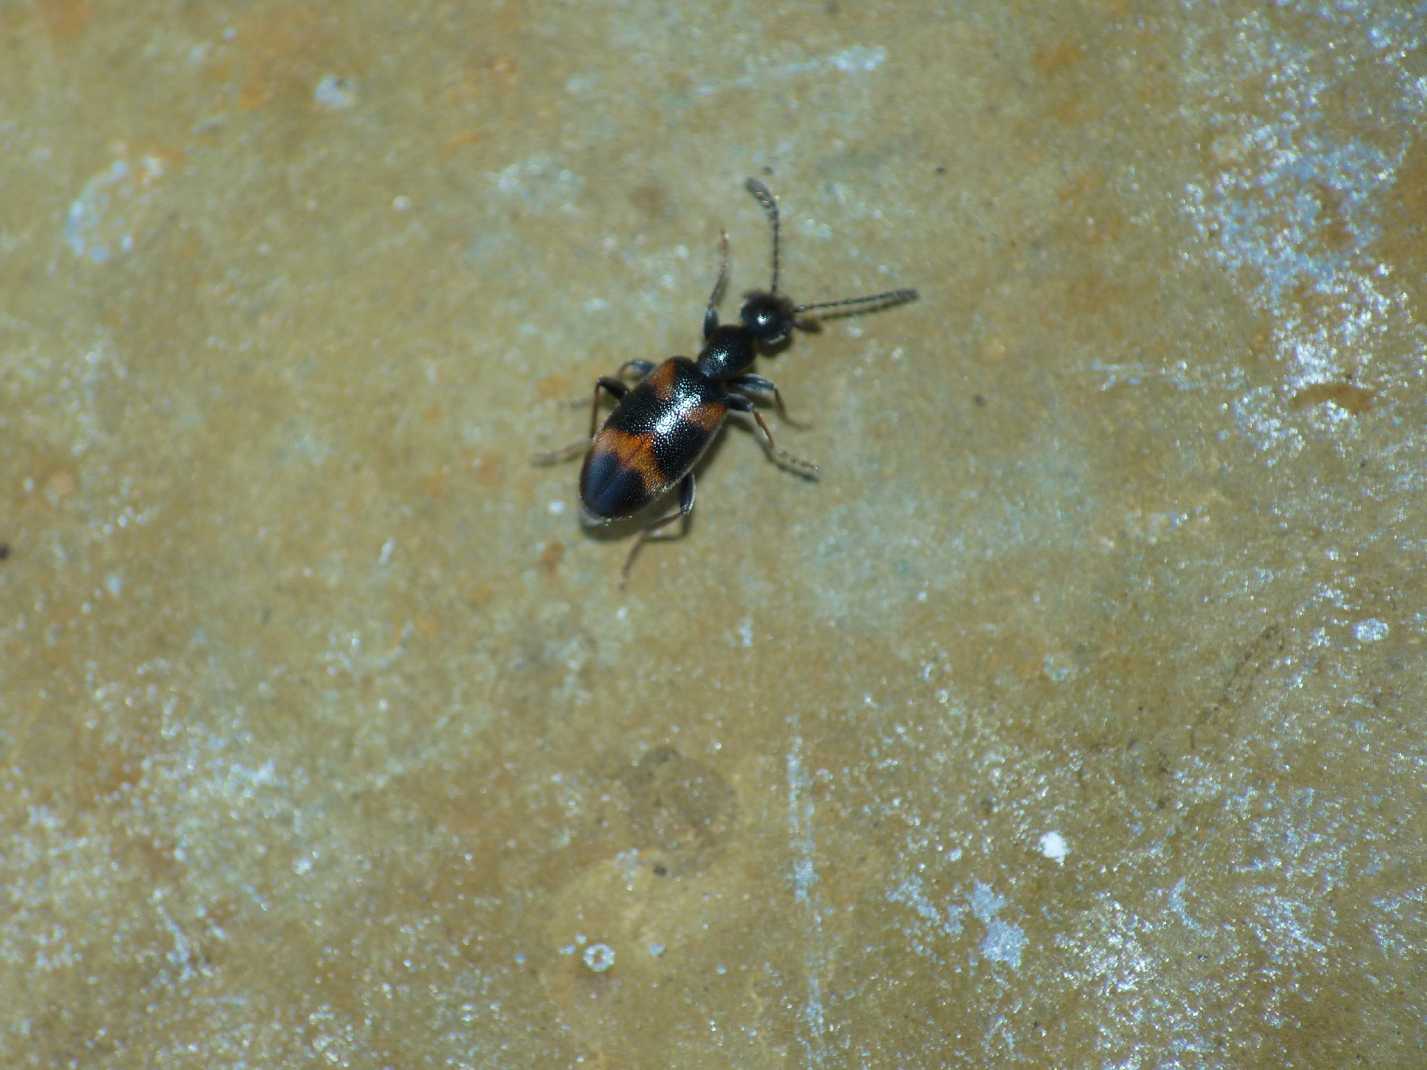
{"points": [[335, 93], [1370, 631], [113, 207], [858, 58], [1003, 941], [1053, 846], [1058, 668], [598, 957]]}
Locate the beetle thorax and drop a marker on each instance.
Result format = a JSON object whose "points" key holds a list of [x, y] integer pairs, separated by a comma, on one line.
{"points": [[728, 352]]}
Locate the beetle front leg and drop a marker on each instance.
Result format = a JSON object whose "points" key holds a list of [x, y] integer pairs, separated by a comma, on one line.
{"points": [[711, 312]]}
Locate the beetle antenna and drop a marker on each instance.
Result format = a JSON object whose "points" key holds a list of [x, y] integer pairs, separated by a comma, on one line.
{"points": [[873, 303], [770, 208]]}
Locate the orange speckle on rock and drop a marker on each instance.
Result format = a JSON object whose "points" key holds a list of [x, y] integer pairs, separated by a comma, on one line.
{"points": [[1051, 59], [550, 387], [1084, 184], [255, 94], [505, 70], [281, 50], [1090, 294], [61, 484], [437, 483], [1070, 108], [459, 140], [65, 19], [551, 556], [487, 469], [993, 349]]}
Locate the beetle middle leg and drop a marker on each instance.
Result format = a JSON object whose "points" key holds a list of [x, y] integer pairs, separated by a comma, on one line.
{"points": [[765, 386], [739, 403], [638, 368], [641, 368], [686, 506]]}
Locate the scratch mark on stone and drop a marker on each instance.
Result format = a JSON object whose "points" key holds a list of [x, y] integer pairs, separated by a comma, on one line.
{"points": [[854, 60], [805, 879]]}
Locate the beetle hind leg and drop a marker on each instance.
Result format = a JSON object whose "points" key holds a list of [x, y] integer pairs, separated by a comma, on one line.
{"points": [[564, 453], [686, 506]]}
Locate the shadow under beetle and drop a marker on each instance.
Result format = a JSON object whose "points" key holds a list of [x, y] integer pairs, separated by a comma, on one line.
{"points": [[662, 424]]}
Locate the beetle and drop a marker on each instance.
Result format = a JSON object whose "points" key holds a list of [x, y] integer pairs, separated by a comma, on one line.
{"points": [[663, 423]]}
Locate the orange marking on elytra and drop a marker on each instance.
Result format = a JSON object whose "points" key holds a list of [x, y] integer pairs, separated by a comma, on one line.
{"points": [[708, 415], [661, 380], [633, 451]]}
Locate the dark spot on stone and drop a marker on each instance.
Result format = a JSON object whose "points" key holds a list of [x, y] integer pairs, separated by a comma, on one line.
{"points": [[679, 811], [651, 200], [1351, 399]]}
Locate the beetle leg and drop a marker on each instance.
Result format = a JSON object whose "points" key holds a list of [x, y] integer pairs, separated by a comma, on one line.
{"points": [[640, 368], [711, 312], [784, 459], [564, 453], [617, 390], [765, 386], [686, 506]]}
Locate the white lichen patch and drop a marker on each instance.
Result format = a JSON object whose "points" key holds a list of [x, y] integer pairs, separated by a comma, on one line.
{"points": [[1293, 208], [1054, 847], [115, 207]]}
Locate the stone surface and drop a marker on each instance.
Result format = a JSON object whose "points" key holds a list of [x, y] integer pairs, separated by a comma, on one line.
{"points": [[1074, 717]]}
